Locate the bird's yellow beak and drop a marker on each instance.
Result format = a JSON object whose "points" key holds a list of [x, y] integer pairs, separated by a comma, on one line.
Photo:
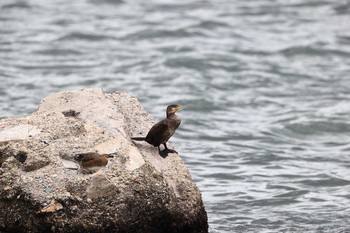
{"points": [[178, 108]]}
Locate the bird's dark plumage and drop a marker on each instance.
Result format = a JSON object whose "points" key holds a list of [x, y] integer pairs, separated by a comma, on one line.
{"points": [[163, 130]]}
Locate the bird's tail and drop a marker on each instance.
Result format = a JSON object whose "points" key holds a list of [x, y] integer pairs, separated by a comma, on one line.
{"points": [[138, 138]]}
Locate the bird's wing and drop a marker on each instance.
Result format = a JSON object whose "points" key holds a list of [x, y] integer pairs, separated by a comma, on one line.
{"points": [[160, 127], [158, 134]]}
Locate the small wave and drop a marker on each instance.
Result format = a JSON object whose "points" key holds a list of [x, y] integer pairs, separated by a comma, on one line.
{"points": [[210, 24], [112, 2], [188, 62], [312, 51], [17, 5], [318, 127], [328, 182], [223, 176], [5, 19], [273, 202], [295, 194], [263, 159], [342, 8], [283, 187], [84, 36], [151, 34], [303, 4], [55, 66], [60, 52], [345, 40]]}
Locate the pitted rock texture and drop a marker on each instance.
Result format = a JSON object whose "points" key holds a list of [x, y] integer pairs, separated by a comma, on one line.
{"points": [[43, 190]]}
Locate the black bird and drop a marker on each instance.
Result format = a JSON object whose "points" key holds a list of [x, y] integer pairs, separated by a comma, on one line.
{"points": [[163, 130]]}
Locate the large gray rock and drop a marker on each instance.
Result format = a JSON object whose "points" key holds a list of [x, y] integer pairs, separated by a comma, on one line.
{"points": [[41, 189]]}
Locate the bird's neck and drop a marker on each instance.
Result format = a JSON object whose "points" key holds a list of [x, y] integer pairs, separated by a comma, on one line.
{"points": [[170, 115]]}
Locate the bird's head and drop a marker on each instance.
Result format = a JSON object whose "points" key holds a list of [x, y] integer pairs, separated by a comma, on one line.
{"points": [[171, 109]]}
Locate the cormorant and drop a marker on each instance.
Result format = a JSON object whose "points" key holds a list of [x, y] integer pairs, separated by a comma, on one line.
{"points": [[163, 130]]}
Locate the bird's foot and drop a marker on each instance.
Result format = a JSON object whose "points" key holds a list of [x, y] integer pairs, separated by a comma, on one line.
{"points": [[164, 153], [171, 151]]}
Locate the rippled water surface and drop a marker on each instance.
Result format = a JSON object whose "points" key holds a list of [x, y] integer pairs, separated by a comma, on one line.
{"points": [[266, 131]]}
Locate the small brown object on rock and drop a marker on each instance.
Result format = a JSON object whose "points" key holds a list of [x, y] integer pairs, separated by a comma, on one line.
{"points": [[92, 161], [52, 207]]}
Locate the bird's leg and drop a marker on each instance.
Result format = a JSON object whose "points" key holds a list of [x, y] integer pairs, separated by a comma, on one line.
{"points": [[163, 153], [169, 150]]}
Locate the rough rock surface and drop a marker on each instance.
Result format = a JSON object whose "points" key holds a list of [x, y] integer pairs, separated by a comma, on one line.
{"points": [[42, 190]]}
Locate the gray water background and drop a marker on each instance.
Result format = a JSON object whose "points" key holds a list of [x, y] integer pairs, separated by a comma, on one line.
{"points": [[266, 132]]}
